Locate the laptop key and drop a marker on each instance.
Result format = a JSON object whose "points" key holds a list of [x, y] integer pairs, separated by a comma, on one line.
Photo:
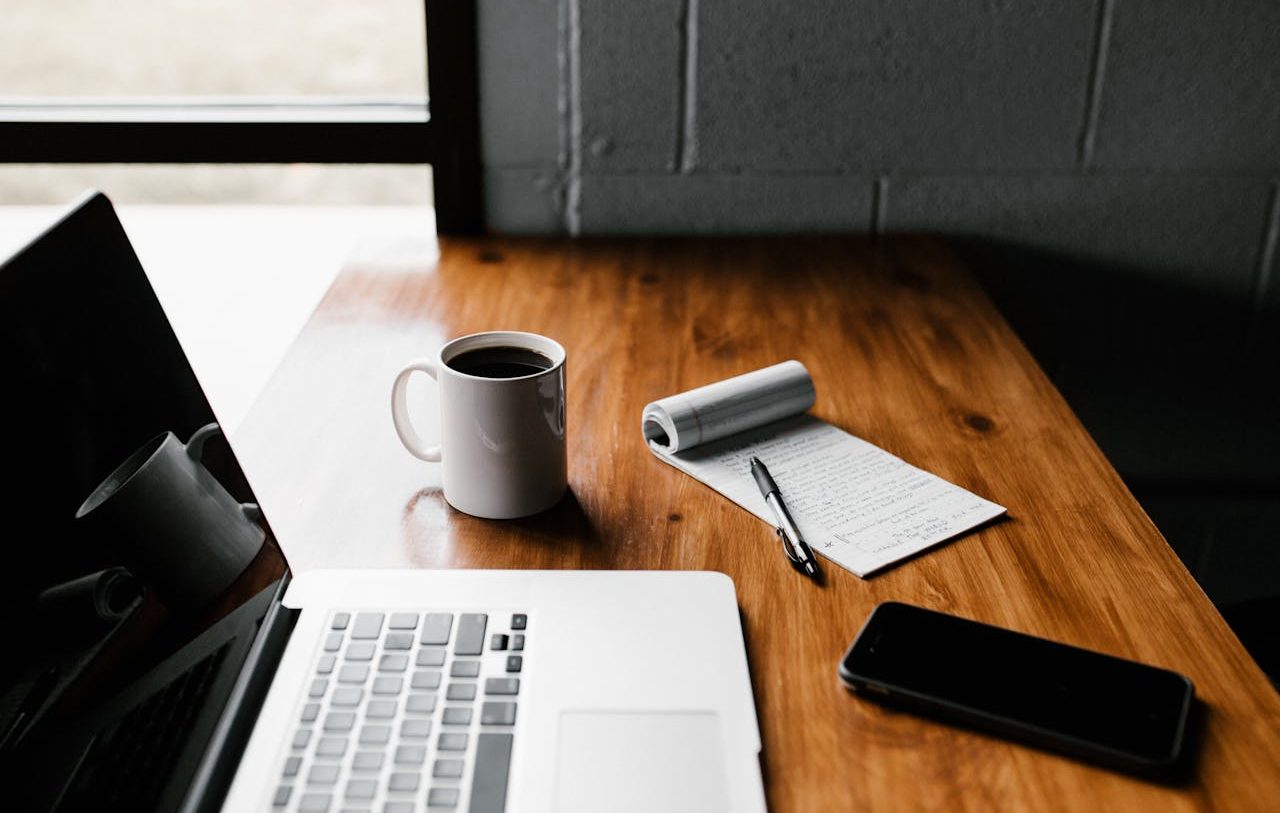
{"points": [[282, 796], [452, 742], [333, 642], [489, 782], [435, 629], [323, 774], [361, 788], [380, 709], [457, 715], [447, 769], [497, 712], [314, 802], [514, 663], [353, 673], [442, 797], [431, 657], [388, 684], [367, 626], [338, 722], [415, 728], [360, 651], [411, 755], [398, 641], [420, 704], [517, 643], [465, 669], [498, 641], [461, 691], [403, 621], [325, 666], [292, 765], [403, 781], [347, 696], [519, 621], [375, 735], [310, 712], [393, 663], [398, 807], [340, 621], [301, 737], [470, 640], [425, 679], [318, 687], [331, 747], [367, 761], [502, 686]]}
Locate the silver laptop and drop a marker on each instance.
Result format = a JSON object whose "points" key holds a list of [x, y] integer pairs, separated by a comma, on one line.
{"points": [[411, 690]]}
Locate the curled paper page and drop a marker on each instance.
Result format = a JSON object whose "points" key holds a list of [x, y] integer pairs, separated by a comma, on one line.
{"points": [[680, 422]]}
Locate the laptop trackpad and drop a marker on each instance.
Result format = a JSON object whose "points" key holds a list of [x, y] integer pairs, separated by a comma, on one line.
{"points": [[641, 761]]}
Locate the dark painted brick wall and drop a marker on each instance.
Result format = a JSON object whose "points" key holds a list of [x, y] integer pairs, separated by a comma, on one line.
{"points": [[1192, 85], [852, 84], [720, 110]]}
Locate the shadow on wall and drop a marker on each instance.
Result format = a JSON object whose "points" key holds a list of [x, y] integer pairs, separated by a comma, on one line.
{"points": [[1180, 386]]}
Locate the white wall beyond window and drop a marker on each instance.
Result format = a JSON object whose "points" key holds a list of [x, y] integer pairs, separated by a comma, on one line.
{"points": [[370, 48]]}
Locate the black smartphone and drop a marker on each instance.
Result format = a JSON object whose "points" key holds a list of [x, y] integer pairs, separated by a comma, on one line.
{"points": [[1106, 710]]}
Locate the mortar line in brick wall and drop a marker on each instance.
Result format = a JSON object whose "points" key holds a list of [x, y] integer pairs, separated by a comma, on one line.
{"points": [[573, 113], [879, 193], [684, 153], [1096, 81], [562, 89]]}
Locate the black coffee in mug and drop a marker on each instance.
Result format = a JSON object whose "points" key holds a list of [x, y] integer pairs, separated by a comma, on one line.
{"points": [[500, 362]]}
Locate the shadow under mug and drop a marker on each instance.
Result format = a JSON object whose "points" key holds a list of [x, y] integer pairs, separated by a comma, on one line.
{"points": [[182, 532], [502, 440]]}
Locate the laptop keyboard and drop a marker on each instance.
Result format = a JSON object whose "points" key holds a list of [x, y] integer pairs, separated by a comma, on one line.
{"points": [[407, 711]]}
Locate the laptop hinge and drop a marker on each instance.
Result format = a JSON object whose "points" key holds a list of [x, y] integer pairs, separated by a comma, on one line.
{"points": [[222, 756]]}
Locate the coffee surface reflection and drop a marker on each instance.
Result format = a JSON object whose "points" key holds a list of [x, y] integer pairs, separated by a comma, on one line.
{"points": [[500, 362]]}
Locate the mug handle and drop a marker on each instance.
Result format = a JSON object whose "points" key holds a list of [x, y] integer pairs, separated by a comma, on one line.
{"points": [[195, 446], [400, 411], [195, 450]]}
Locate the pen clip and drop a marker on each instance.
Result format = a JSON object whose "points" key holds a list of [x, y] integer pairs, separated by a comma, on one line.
{"points": [[788, 546]]}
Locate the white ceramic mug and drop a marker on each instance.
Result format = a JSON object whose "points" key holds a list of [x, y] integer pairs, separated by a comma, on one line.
{"points": [[185, 535], [502, 440]]}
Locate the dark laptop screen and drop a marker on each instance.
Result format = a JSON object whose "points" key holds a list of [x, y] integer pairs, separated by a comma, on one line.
{"points": [[98, 412]]}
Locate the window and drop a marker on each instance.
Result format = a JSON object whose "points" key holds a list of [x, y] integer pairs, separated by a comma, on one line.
{"points": [[246, 82]]}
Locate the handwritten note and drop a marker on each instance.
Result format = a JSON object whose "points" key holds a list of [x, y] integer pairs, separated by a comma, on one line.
{"points": [[855, 503]]}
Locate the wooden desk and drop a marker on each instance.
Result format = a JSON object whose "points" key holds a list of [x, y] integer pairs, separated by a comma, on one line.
{"points": [[908, 353]]}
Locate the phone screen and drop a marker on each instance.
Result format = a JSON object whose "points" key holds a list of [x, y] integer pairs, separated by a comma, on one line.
{"points": [[1054, 690]]}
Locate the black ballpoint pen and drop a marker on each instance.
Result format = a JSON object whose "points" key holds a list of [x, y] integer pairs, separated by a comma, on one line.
{"points": [[793, 544]]}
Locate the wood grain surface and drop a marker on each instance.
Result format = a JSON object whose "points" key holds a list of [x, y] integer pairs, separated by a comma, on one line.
{"points": [[908, 353]]}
